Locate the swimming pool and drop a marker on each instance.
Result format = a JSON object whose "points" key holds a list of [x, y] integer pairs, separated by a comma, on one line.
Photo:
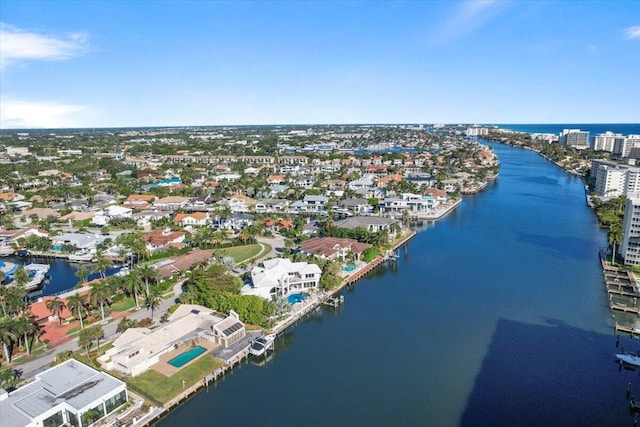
{"points": [[349, 267], [186, 357], [296, 298]]}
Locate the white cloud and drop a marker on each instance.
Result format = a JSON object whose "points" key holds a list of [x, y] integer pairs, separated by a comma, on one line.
{"points": [[633, 32], [17, 44], [469, 16], [17, 114]]}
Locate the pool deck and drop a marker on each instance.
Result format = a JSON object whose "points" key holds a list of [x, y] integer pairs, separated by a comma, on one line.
{"points": [[167, 370]]}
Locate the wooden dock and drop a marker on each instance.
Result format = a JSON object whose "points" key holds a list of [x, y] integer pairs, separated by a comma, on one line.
{"points": [[624, 308]]}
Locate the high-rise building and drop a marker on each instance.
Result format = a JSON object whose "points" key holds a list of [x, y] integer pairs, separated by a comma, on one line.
{"points": [[630, 247], [606, 141], [575, 138]]}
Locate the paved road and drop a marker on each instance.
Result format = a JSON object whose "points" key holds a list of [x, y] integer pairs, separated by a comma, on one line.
{"points": [[35, 366]]}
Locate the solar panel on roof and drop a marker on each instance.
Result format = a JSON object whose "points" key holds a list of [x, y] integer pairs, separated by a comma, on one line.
{"points": [[233, 328]]}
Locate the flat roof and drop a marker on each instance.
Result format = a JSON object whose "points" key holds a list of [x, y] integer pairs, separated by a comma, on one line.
{"points": [[72, 382]]}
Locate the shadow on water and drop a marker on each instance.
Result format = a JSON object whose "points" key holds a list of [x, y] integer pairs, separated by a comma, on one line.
{"points": [[521, 382], [559, 246]]}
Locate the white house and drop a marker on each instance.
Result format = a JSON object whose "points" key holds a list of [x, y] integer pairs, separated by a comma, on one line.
{"points": [[63, 395], [137, 349], [104, 216], [280, 276]]}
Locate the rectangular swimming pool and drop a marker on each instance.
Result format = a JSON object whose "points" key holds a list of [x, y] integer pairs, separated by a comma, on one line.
{"points": [[186, 357]]}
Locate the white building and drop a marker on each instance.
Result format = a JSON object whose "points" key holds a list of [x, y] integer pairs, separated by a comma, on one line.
{"points": [[630, 247], [613, 179], [408, 202], [606, 141], [103, 217], [575, 138], [137, 349], [280, 276], [71, 393]]}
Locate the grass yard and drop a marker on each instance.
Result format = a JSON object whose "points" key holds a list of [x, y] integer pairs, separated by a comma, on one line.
{"points": [[126, 304], [242, 253], [164, 389]]}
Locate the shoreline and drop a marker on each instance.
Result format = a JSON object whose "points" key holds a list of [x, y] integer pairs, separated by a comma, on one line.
{"points": [[315, 302]]}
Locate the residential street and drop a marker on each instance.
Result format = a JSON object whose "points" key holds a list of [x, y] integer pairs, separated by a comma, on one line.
{"points": [[33, 367]]}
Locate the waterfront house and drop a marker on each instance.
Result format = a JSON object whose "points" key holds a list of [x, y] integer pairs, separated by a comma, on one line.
{"points": [[85, 242], [409, 202], [138, 349], [333, 248], [356, 205], [372, 224], [280, 276], [71, 393], [8, 237]]}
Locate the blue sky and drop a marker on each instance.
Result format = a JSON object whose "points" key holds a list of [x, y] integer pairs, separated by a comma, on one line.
{"points": [[165, 63]]}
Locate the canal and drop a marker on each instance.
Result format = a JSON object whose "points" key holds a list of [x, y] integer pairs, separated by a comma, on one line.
{"points": [[495, 315]]}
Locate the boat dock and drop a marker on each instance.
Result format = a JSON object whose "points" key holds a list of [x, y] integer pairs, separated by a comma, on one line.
{"points": [[623, 292], [37, 274], [334, 301]]}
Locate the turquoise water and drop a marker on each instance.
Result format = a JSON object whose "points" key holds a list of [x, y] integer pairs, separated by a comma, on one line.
{"points": [[186, 357], [349, 267], [493, 316], [296, 298]]}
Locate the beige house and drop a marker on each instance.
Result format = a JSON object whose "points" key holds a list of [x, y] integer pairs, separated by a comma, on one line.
{"points": [[138, 349]]}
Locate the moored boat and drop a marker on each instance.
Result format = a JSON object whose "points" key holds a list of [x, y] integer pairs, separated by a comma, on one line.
{"points": [[629, 359], [260, 345]]}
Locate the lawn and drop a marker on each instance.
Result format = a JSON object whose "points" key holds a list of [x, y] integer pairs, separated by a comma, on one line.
{"points": [[126, 304], [242, 253], [163, 389]]}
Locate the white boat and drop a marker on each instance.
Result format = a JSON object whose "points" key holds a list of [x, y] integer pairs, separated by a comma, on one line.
{"points": [[260, 345], [630, 359], [82, 256]]}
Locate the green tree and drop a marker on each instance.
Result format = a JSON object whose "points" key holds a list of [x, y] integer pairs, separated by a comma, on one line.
{"points": [[147, 274], [28, 328], [100, 294], [77, 303], [55, 306], [154, 300], [8, 336], [101, 266], [21, 276], [133, 286], [83, 274], [615, 238]]}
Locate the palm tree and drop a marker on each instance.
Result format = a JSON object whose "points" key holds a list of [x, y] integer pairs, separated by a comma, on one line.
{"points": [[26, 326], [102, 264], [55, 306], [148, 274], [4, 294], [615, 238], [83, 274], [100, 294], [78, 304], [132, 286], [154, 300], [21, 276], [7, 336]]}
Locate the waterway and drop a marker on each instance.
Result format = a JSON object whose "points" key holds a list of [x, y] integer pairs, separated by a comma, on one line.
{"points": [[494, 316], [61, 273]]}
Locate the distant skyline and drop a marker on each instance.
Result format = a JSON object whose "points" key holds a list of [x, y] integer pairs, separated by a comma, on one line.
{"points": [[177, 63]]}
